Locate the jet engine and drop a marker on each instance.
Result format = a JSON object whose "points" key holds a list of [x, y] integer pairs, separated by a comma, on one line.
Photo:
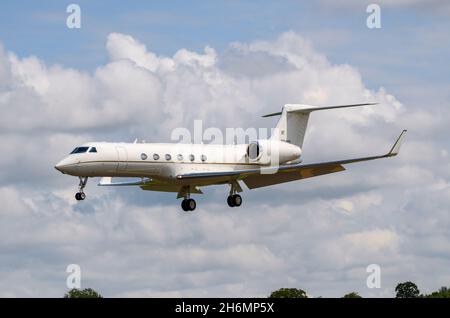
{"points": [[272, 152]]}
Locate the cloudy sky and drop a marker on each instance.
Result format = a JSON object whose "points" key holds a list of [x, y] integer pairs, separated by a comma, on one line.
{"points": [[135, 71]]}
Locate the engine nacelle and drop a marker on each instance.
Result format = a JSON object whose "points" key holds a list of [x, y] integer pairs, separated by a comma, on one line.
{"points": [[254, 151], [272, 152]]}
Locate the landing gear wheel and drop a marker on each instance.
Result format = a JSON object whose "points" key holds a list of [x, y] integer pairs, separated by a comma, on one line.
{"points": [[188, 205], [80, 196], [184, 205], [237, 200], [234, 200], [191, 204], [230, 201]]}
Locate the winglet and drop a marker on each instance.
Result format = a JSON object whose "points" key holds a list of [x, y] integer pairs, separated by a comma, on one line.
{"points": [[396, 147]]}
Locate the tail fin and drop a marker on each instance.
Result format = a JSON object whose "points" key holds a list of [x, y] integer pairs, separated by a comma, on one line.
{"points": [[291, 126]]}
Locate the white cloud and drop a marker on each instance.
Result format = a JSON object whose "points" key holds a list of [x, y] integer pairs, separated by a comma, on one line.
{"points": [[121, 46], [371, 241]]}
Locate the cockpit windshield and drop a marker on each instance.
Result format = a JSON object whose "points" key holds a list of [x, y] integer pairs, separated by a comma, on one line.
{"points": [[80, 150]]}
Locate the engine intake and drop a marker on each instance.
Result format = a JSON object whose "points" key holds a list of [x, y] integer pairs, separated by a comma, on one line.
{"points": [[254, 151], [266, 151]]}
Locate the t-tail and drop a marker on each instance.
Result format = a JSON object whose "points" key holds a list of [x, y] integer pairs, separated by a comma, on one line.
{"points": [[291, 126]]}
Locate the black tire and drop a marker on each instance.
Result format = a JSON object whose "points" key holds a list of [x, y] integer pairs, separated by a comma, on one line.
{"points": [[82, 196], [184, 205], [237, 200], [77, 196], [230, 201], [191, 204]]}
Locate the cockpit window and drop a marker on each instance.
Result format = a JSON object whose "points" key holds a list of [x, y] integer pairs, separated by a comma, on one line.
{"points": [[80, 150], [93, 149]]}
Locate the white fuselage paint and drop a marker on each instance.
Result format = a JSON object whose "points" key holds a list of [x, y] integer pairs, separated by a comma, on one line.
{"points": [[137, 159]]}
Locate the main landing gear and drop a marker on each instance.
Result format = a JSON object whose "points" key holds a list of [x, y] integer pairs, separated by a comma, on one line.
{"points": [[187, 204], [80, 196], [234, 199]]}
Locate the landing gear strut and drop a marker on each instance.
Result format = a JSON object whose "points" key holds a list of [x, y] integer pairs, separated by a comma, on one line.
{"points": [[234, 199], [80, 196], [187, 204]]}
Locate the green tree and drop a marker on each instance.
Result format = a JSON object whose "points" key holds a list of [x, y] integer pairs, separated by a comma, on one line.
{"points": [[443, 292], [82, 293], [288, 293], [352, 295], [407, 290]]}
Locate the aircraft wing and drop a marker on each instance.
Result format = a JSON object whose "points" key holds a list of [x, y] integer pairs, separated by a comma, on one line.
{"points": [[146, 184], [261, 177], [107, 182]]}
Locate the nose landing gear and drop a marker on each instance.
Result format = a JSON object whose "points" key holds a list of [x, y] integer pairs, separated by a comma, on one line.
{"points": [[80, 195]]}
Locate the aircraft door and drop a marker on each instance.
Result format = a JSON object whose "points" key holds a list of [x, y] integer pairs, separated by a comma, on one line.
{"points": [[122, 159]]}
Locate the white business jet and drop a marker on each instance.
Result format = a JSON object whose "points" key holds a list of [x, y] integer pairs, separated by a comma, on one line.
{"points": [[185, 168]]}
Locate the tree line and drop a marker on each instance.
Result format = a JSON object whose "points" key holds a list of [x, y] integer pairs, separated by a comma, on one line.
{"points": [[402, 290]]}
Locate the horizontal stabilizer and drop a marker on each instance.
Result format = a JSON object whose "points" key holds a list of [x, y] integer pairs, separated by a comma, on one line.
{"points": [[301, 108]]}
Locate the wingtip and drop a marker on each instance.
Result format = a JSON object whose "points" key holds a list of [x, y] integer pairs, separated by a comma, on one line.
{"points": [[398, 143]]}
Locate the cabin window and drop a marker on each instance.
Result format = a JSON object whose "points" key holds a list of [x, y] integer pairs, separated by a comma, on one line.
{"points": [[191, 157], [168, 157], [143, 156], [203, 158], [155, 156], [93, 149], [180, 157], [80, 150]]}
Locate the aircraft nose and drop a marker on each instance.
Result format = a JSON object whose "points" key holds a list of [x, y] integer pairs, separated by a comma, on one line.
{"points": [[59, 166], [65, 166]]}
